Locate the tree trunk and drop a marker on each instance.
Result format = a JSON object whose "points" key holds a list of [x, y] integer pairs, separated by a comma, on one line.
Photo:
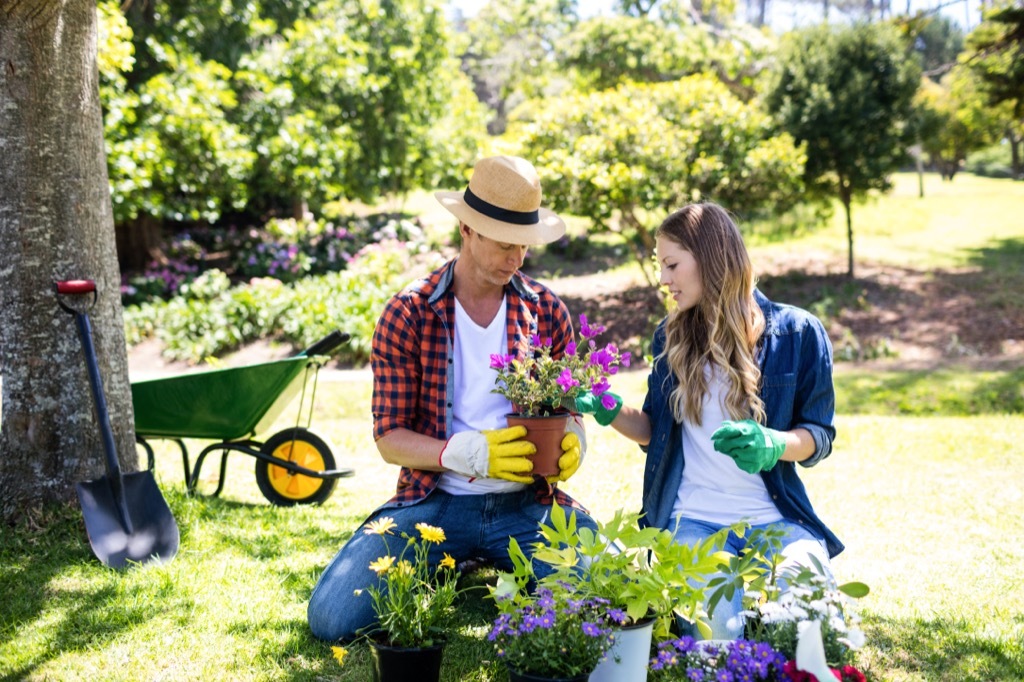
{"points": [[56, 223], [847, 198]]}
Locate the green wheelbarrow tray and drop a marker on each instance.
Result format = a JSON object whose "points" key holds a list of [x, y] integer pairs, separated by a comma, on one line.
{"points": [[231, 406], [221, 404]]}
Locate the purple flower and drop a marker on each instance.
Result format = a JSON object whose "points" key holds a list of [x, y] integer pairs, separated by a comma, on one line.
{"points": [[588, 332], [570, 348], [499, 361], [600, 386], [617, 616], [624, 359], [608, 402], [566, 381], [591, 630]]}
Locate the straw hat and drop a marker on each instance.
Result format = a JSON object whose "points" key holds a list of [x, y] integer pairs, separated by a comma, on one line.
{"points": [[502, 203]]}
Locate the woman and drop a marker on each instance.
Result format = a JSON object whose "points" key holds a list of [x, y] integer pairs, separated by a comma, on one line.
{"points": [[741, 390]]}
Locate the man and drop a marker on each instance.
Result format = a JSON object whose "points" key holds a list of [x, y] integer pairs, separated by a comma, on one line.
{"points": [[434, 413]]}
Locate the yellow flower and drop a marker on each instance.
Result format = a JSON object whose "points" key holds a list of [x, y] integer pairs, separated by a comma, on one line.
{"points": [[404, 568], [381, 526], [340, 653], [381, 565], [447, 561], [431, 533]]}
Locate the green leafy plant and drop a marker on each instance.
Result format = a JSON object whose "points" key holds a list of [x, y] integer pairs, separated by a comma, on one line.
{"points": [[640, 573], [541, 384], [413, 602]]}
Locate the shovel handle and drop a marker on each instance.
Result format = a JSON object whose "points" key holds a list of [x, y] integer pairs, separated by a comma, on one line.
{"points": [[75, 287]]}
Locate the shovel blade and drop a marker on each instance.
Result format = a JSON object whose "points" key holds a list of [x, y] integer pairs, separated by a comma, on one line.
{"points": [[151, 533]]}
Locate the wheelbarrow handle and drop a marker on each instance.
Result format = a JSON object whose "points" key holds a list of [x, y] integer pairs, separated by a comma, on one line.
{"points": [[327, 344]]}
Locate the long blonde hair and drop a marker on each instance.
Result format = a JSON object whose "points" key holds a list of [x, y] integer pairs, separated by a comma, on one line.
{"points": [[722, 330]]}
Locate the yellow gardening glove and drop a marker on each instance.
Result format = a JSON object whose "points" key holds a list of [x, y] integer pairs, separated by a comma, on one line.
{"points": [[493, 453], [574, 447]]}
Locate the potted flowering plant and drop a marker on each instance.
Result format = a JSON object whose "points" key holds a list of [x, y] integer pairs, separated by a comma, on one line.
{"points": [[642, 574], [813, 623], [539, 384], [551, 633], [412, 602], [795, 609], [543, 388]]}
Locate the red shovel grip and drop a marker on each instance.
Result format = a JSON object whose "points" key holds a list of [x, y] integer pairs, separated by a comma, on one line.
{"points": [[76, 286]]}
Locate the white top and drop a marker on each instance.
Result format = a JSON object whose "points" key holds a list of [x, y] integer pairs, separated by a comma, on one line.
{"points": [[474, 407], [713, 488]]}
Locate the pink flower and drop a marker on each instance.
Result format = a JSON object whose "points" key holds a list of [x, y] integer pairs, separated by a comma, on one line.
{"points": [[500, 361]]}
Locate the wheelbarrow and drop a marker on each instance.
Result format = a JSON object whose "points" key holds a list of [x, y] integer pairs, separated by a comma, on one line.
{"points": [[231, 406]]}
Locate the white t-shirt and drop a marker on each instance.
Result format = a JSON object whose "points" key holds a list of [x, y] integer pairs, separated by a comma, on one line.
{"points": [[474, 406], [713, 488]]}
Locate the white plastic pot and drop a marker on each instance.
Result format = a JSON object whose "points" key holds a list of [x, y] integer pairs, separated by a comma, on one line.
{"points": [[628, 658]]}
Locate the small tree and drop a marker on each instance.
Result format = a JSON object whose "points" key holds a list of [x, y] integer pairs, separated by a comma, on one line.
{"points": [[847, 94]]}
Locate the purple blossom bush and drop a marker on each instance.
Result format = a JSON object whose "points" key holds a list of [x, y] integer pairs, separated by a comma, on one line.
{"points": [[553, 632], [687, 660]]}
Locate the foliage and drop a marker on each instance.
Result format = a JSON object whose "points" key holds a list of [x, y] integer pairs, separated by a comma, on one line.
{"points": [[686, 660], [846, 94], [779, 597], [538, 384], [955, 120], [633, 154], [640, 573], [413, 602], [210, 317]]}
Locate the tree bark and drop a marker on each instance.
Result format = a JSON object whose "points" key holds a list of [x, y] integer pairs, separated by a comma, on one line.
{"points": [[846, 196], [56, 223]]}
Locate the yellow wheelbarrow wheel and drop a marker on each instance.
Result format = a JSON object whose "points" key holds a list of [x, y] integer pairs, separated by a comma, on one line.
{"points": [[285, 488]]}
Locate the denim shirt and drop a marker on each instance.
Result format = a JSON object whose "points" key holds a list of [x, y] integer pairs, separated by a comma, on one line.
{"points": [[795, 357]]}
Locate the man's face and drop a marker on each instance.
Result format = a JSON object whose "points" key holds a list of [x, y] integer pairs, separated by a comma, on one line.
{"points": [[496, 262]]}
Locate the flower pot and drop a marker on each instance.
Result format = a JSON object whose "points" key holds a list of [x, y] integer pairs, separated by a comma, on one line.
{"points": [[628, 658], [546, 433], [515, 676], [397, 664]]}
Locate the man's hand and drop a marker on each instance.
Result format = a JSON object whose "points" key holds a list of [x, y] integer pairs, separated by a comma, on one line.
{"points": [[495, 453], [754, 447], [574, 448], [604, 407]]}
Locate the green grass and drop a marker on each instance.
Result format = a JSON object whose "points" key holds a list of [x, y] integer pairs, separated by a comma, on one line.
{"points": [[930, 508], [951, 227]]}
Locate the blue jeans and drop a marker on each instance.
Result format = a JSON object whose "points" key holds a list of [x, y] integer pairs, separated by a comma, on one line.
{"points": [[797, 545], [475, 526]]}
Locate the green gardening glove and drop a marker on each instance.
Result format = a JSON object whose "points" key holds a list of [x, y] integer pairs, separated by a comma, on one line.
{"points": [[754, 447], [604, 407]]}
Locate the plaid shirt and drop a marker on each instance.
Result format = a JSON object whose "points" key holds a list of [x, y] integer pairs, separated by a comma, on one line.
{"points": [[412, 366]]}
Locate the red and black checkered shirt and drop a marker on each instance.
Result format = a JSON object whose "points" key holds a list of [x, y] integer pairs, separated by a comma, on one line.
{"points": [[411, 358]]}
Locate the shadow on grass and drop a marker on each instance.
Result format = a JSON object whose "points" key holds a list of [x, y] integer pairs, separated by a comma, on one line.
{"points": [[37, 562], [930, 392], [946, 649]]}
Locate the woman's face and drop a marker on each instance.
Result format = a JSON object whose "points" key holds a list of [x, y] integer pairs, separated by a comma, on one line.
{"points": [[680, 273]]}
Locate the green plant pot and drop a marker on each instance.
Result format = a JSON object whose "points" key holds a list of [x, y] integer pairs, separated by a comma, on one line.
{"points": [[398, 664]]}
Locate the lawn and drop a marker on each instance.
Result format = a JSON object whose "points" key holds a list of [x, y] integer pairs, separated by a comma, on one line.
{"points": [[924, 487], [930, 509]]}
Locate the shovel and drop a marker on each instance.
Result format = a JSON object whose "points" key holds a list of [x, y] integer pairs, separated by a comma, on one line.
{"points": [[126, 516]]}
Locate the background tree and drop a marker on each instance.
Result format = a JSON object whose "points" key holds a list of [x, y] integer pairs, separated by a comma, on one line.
{"points": [[55, 223], [956, 120], [626, 157], [996, 54], [846, 93], [510, 52]]}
